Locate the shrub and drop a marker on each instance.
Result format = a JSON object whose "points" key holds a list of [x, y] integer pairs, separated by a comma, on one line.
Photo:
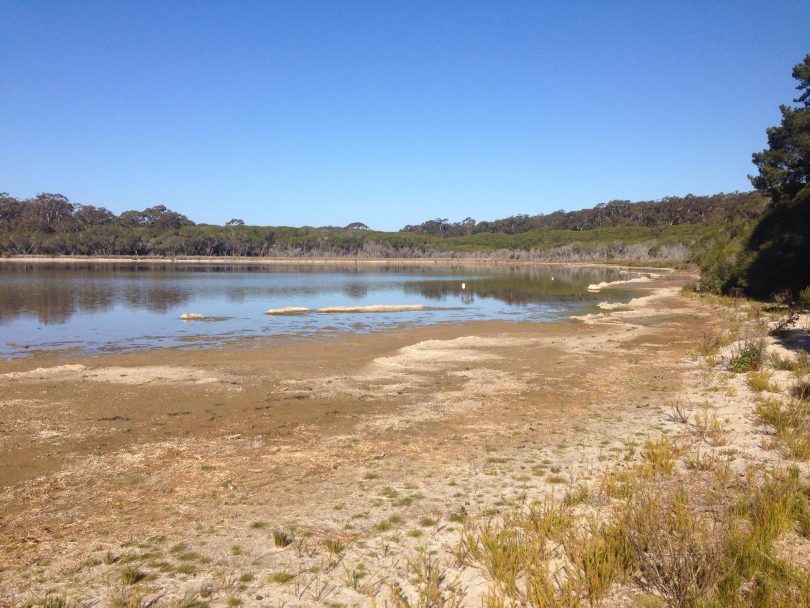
{"points": [[748, 357], [804, 297], [759, 381], [679, 550]]}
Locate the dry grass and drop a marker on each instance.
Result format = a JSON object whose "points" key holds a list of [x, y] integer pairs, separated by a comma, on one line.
{"points": [[760, 381], [790, 419]]}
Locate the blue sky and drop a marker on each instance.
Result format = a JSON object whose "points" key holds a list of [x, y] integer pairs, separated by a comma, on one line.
{"points": [[324, 113]]}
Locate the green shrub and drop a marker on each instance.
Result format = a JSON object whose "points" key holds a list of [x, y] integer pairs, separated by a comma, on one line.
{"points": [[749, 357]]}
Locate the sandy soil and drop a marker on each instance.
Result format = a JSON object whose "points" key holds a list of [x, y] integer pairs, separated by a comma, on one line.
{"points": [[181, 465]]}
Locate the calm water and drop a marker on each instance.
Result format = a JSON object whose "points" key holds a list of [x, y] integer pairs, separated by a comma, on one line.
{"points": [[97, 308]]}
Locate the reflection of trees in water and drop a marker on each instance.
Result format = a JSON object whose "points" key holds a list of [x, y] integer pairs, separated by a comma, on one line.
{"points": [[518, 286], [356, 290], [154, 298], [53, 294]]}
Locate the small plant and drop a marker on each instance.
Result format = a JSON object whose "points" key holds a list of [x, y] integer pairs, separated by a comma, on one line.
{"points": [[680, 412], [804, 297], [281, 577], [190, 600], [334, 546], [760, 381], [599, 556], [801, 390], [259, 525], [791, 422], [748, 357], [128, 599], [709, 428], [709, 347], [660, 455], [786, 364], [458, 518], [433, 587], [131, 575], [282, 538]]}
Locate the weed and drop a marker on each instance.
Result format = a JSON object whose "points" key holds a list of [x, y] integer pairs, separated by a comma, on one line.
{"points": [[791, 422], [599, 556], [747, 357], [282, 538], [131, 575], [433, 587], [759, 381], [189, 600], [258, 525], [128, 599], [709, 428], [334, 546], [801, 390], [678, 550], [189, 569], [680, 412], [281, 577], [660, 455], [53, 600]]}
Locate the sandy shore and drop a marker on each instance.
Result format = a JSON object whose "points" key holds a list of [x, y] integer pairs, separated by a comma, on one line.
{"points": [[183, 464]]}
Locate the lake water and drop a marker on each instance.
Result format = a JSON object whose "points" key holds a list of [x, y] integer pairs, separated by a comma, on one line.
{"points": [[103, 307]]}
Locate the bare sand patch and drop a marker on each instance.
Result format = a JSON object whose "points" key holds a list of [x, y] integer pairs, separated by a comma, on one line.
{"points": [[115, 374]]}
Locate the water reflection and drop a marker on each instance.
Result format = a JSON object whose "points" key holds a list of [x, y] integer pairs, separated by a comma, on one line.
{"points": [[53, 294]]}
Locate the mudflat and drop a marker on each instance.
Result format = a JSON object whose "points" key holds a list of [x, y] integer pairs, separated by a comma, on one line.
{"points": [[196, 466]]}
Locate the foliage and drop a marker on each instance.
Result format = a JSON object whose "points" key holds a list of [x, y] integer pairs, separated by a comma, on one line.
{"points": [[749, 357], [49, 224], [669, 211], [778, 249]]}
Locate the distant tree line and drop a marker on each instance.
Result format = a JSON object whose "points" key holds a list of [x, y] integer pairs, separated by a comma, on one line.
{"points": [[669, 211]]}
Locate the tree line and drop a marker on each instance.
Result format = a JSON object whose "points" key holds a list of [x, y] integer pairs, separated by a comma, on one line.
{"points": [[669, 211], [49, 224]]}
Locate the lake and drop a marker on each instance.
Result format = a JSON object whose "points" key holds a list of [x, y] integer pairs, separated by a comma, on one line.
{"points": [[93, 308]]}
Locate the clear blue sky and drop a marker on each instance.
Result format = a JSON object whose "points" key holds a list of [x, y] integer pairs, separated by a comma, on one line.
{"points": [[388, 112]]}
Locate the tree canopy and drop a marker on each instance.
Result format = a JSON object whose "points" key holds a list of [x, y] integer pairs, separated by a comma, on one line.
{"points": [[777, 253]]}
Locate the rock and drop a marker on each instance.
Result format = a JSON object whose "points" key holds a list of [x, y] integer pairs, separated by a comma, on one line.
{"points": [[192, 316]]}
